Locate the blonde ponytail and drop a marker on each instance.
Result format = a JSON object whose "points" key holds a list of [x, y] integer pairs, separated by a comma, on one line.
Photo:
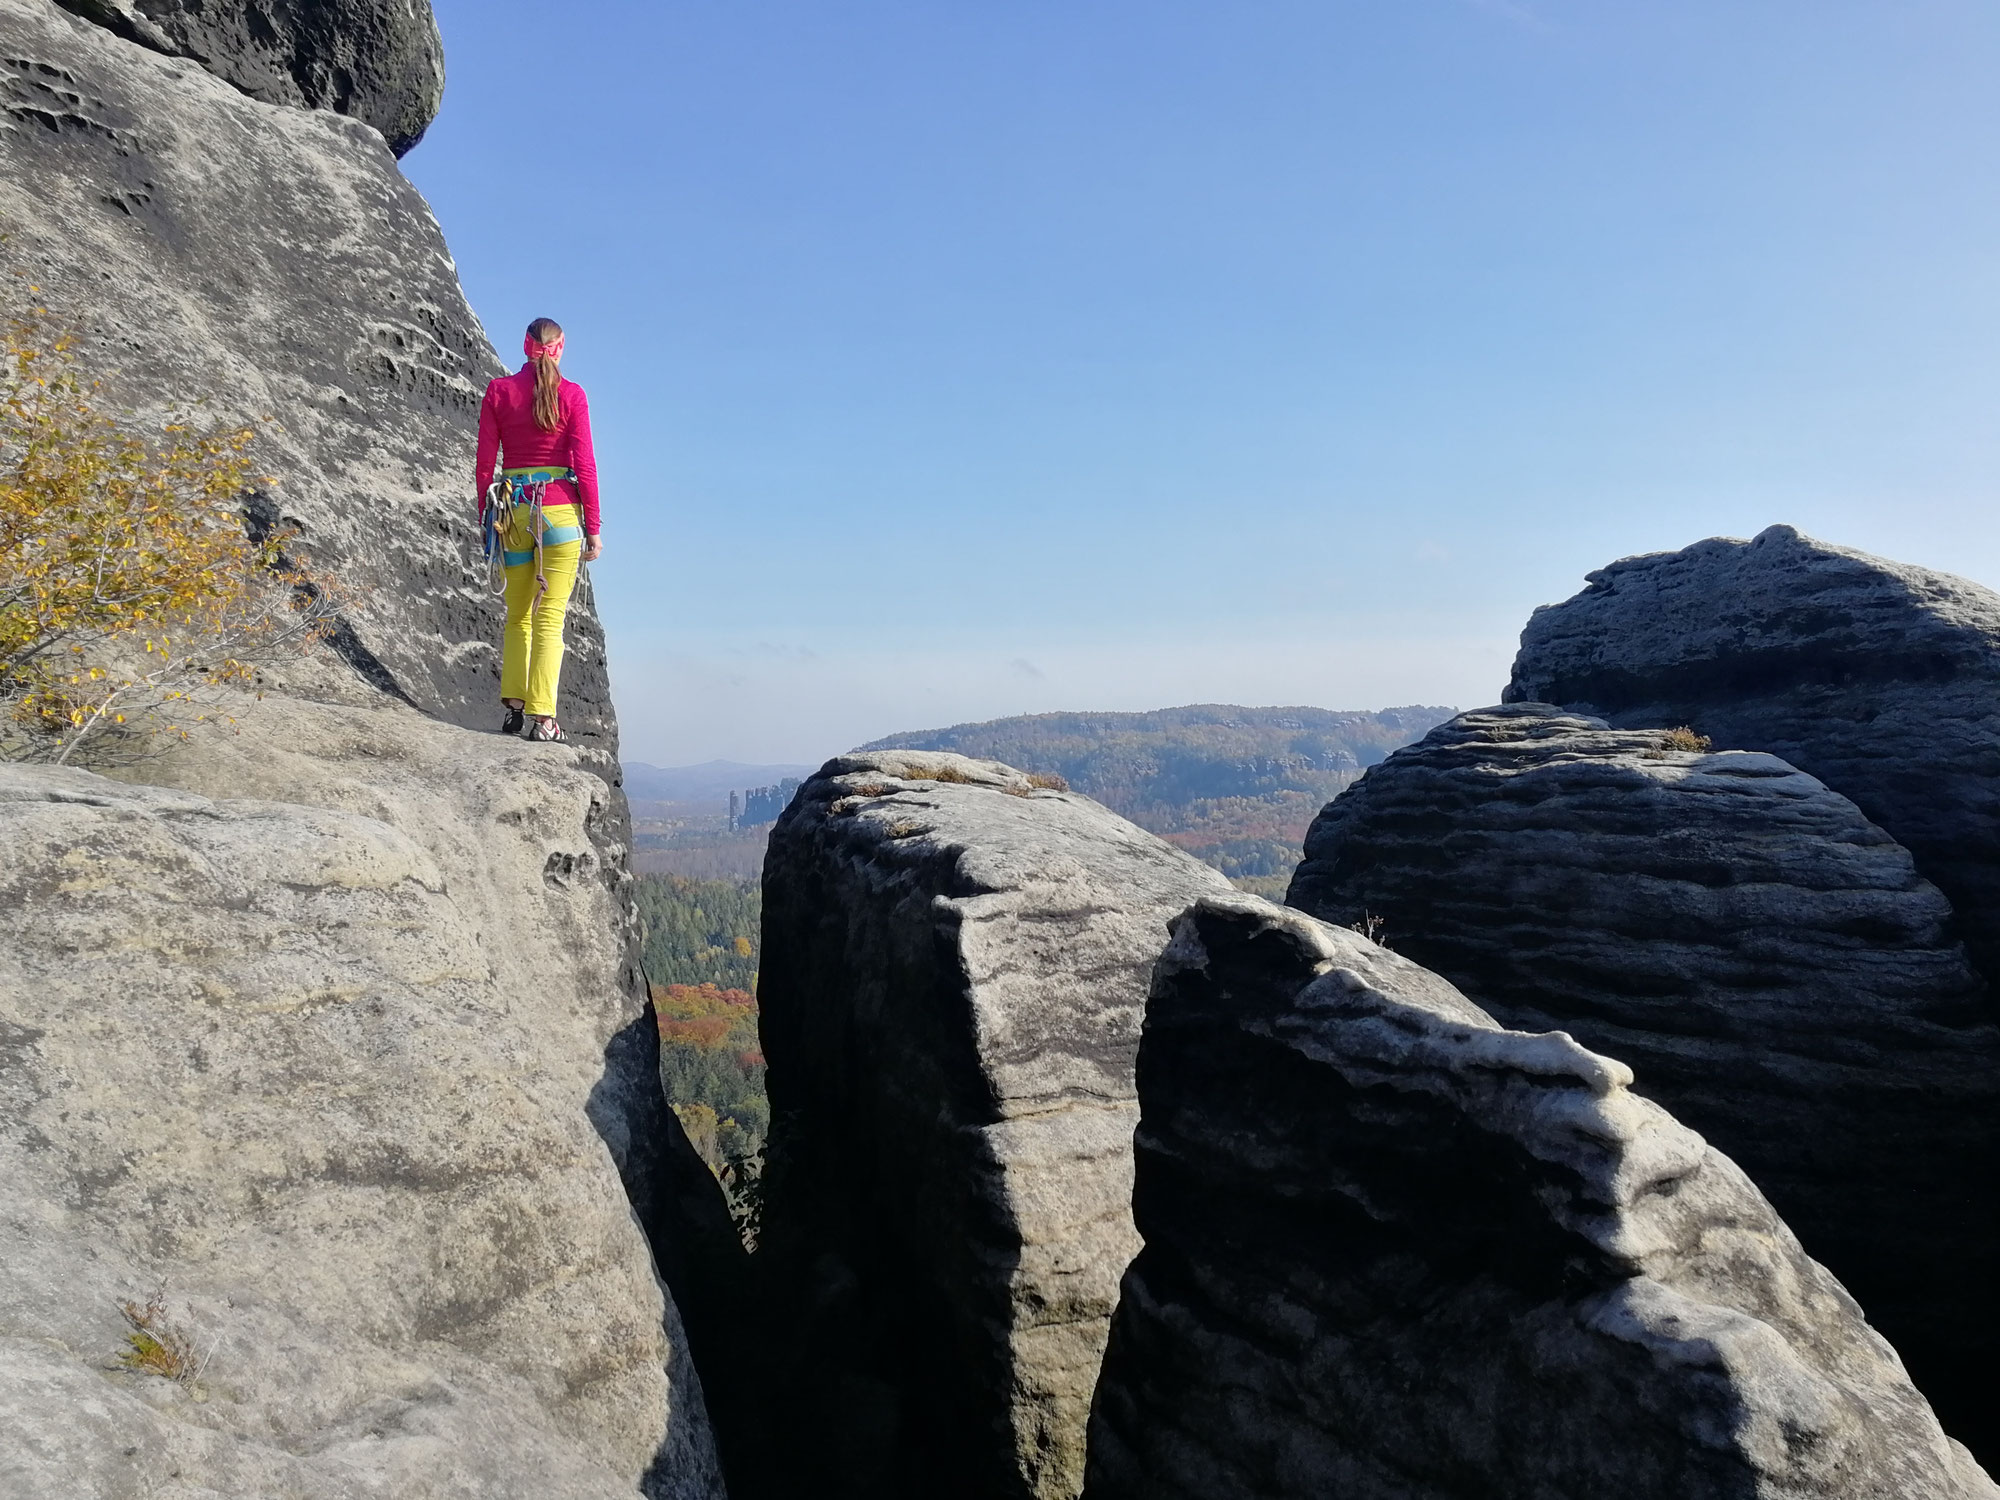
{"points": [[546, 332]]}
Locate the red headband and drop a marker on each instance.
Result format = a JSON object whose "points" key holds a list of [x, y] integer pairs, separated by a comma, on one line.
{"points": [[550, 350]]}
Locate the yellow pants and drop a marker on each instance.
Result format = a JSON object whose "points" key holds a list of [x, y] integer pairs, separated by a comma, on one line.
{"points": [[531, 650]]}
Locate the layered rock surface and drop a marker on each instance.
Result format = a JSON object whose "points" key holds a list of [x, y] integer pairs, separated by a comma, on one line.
{"points": [[1393, 1250], [345, 1062], [955, 963], [1879, 678], [1767, 960], [380, 61], [270, 261], [337, 1031]]}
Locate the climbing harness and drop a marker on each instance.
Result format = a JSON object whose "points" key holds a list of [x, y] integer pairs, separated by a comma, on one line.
{"points": [[513, 529]]}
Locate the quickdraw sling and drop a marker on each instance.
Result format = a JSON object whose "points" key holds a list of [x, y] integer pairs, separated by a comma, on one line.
{"points": [[513, 528]]}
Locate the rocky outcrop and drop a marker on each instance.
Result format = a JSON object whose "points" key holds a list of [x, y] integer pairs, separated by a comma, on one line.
{"points": [[338, 1051], [1392, 1250], [1881, 679], [380, 61], [272, 262], [955, 962], [1768, 962], [326, 1018]]}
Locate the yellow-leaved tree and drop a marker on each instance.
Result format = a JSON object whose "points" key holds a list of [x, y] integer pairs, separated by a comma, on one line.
{"points": [[129, 582]]}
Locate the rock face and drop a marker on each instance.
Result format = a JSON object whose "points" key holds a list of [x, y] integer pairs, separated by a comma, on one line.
{"points": [[354, 1080], [1881, 679], [273, 262], [380, 61], [1767, 961], [1392, 1250], [330, 1026], [955, 965]]}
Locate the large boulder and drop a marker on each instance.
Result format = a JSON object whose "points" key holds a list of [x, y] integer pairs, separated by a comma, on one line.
{"points": [[271, 262], [340, 1051], [1767, 960], [1395, 1251], [1879, 678], [955, 964], [380, 61]]}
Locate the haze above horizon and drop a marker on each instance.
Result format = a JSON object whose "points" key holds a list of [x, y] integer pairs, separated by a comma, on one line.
{"points": [[953, 362]]}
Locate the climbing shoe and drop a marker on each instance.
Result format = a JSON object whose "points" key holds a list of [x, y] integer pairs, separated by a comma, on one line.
{"points": [[547, 731], [515, 722]]}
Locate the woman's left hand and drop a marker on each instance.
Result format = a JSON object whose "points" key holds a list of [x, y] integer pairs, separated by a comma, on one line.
{"points": [[593, 548]]}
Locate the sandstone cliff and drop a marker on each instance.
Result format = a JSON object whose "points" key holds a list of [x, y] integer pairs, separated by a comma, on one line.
{"points": [[955, 965], [1392, 1250], [272, 261], [1879, 678], [328, 1024]]}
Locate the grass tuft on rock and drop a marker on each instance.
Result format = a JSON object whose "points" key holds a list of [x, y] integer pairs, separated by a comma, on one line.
{"points": [[1684, 738], [155, 1344]]}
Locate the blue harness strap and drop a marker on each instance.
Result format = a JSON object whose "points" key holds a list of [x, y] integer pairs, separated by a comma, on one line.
{"points": [[552, 536], [524, 489]]}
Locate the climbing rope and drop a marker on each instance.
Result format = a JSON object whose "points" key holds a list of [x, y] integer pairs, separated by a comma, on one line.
{"points": [[490, 529]]}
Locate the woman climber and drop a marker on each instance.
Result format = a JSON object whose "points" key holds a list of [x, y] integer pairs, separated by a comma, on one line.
{"points": [[530, 520]]}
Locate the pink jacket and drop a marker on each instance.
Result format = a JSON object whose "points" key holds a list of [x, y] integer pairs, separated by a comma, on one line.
{"points": [[507, 422]]}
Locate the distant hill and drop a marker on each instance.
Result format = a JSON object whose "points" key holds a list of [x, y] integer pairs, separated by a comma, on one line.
{"points": [[1234, 786]]}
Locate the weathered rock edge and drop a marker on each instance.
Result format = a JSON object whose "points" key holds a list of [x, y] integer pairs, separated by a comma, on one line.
{"points": [[1768, 962], [1394, 1250], [358, 1082], [955, 962], [380, 61], [1880, 678]]}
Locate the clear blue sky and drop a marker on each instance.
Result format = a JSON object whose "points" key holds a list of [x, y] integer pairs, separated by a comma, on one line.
{"points": [[958, 358]]}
